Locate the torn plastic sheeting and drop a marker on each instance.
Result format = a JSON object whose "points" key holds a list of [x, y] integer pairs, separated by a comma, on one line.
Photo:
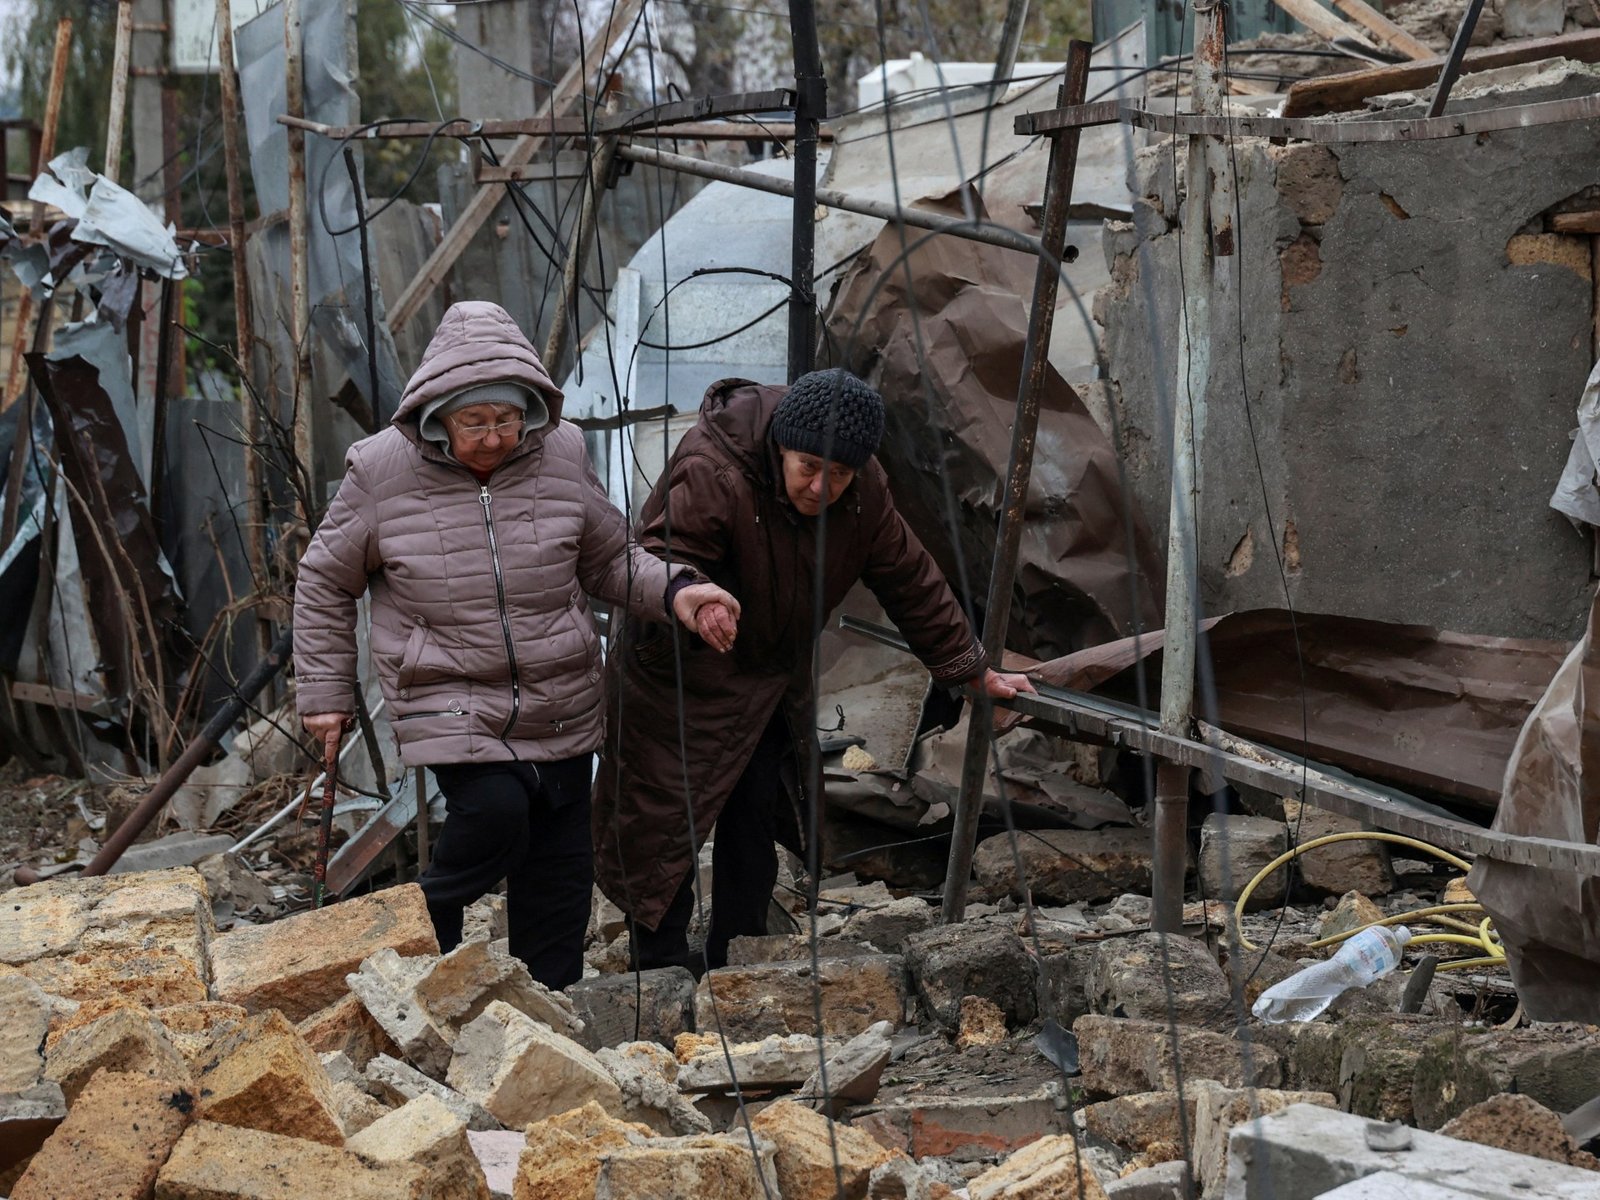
{"points": [[952, 404], [109, 215], [1577, 495], [1548, 920]]}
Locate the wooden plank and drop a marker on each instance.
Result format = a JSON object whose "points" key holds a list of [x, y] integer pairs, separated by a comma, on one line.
{"points": [[38, 693], [1320, 21], [1341, 93], [1576, 222], [484, 203], [1365, 14]]}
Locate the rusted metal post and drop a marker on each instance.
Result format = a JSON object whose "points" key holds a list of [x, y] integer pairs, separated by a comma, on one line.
{"points": [[1207, 231], [424, 850], [119, 90], [1452, 63], [1014, 497], [811, 104], [299, 265], [330, 775]]}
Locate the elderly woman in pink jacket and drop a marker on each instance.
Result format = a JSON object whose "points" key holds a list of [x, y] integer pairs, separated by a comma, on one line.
{"points": [[477, 524]]}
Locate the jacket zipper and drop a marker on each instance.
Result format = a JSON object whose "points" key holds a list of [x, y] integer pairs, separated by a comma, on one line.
{"points": [[505, 619]]}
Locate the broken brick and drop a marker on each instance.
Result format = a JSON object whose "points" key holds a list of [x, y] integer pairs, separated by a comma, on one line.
{"points": [[116, 1138], [968, 1128]]}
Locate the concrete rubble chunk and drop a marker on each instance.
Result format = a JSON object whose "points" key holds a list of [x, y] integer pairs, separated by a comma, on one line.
{"points": [[777, 998], [346, 1026], [1521, 1125], [426, 1134], [1048, 1169], [854, 1072], [298, 965], [789, 947], [773, 1064], [386, 985], [1119, 1056], [269, 1079], [659, 1005], [1233, 848], [968, 1128], [355, 1107], [712, 1166], [498, 1152], [817, 1159], [1354, 911], [27, 1118], [901, 1179], [1063, 866], [397, 1082], [127, 1040], [562, 1155], [195, 1028], [120, 1131], [649, 1097], [1164, 1181], [888, 926], [1153, 1125], [521, 1070], [954, 961], [1555, 1064], [1159, 977], [983, 1023], [154, 978], [1353, 866], [486, 919], [218, 1162], [456, 989], [1219, 1110], [22, 1032], [184, 848]]}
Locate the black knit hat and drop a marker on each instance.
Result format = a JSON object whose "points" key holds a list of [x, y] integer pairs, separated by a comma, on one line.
{"points": [[831, 414]]}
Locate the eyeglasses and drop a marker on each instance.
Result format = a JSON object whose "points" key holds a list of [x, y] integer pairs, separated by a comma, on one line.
{"points": [[476, 433]]}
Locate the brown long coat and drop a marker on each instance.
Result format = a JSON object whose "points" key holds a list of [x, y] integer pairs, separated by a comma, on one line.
{"points": [[730, 518]]}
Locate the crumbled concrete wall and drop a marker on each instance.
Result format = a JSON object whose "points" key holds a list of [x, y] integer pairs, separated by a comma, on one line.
{"points": [[1414, 342]]}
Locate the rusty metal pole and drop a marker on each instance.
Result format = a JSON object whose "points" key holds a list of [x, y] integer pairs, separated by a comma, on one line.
{"points": [[1206, 228], [1014, 497], [299, 265], [119, 90]]}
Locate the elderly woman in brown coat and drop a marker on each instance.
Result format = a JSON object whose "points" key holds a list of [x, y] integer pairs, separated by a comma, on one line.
{"points": [[478, 527]]}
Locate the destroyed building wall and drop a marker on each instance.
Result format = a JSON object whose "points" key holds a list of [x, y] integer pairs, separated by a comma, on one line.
{"points": [[1414, 342]]}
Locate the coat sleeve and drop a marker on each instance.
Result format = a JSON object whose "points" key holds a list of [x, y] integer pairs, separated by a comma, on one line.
{"points": [[332, 577], [611, 565], [913, 591], [691, 524]]}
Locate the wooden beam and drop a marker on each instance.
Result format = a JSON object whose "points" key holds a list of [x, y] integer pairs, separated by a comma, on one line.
{"points": [[1342, 93], [1363, 13], [1320, 21], [482, 205], [1576, 222], [38, 693]]}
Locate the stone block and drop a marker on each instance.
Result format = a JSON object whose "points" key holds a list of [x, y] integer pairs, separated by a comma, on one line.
{"points": [[456, 989], [1048, 1169], [983, 1023], [1119, 1056], [776, 1063], [1354, 866], [1150, 1124], [969, 1128], [649, 1096], [1557, 1065], [1521, 1125], [298, 965], [854, 1071], [346, 1026], [265, 1077], [814, 1162], [1354, 911], [155, 978], [22, 1032], [758, 1001], [789, 947], [195, 1027], [497, 1152], [522, 1070], [562, 1155], [901, 1179], [428, 1135], [27, 1118], [1164, 1181], [386, 985], [1233, 847], [1062, 866], [612, 1014], [1377, 1068], [220, 1162], [126, 1040], [988, 960], [116, 1138], [888, 926], [712, 1166], [355, 1107], [397, 1082], [1159, 977], [1219, 1110]]}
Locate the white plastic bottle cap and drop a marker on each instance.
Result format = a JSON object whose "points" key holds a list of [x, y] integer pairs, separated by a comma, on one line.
{"points": [[1401, 934]]}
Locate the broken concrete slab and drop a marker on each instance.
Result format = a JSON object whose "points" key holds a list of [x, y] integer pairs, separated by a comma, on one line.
{"points": [[852, 1073], [1049, 1169], [397, 1082], [1159, 977], [1521, 1125], [269, 1079], [1122, 1055], [426, 1134], [777, 1063], [126, 1040], [456, 989], [817, 1159], [386, 985], [22, 1033], [522, 1071], [777, 998], [968, 1128], [498, 1152], [220, 1162], [1219, 1110], [298, 965], [650, 1097], [111, 1145], [888, 926], [1555, 1064], [1233, 848], [346, 1026], [657, 1005], [987, 960], [1062, 866]]}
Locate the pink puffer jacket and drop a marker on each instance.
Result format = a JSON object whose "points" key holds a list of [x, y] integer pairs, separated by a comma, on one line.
{"points": [[481, 632]]}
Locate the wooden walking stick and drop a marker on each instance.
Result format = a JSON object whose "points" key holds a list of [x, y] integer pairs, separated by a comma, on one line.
{"points": [[330, 770]]}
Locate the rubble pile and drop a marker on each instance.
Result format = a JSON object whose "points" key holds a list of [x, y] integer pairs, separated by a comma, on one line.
{"points": [[337, 1052]]}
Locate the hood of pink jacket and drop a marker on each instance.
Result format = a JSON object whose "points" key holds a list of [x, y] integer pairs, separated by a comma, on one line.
{"points": [[476, 342]]}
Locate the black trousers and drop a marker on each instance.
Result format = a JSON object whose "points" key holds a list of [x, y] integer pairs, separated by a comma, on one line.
{"points": [[526, 823], [744, 868]]}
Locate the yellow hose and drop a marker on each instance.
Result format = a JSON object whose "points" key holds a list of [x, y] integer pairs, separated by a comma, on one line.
{"points": [[1479, 937]]}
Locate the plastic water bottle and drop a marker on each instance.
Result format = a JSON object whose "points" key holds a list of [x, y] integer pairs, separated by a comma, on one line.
{"points": [[1370, 955]]}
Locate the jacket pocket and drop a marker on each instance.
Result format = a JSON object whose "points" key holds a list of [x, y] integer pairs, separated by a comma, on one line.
{"points": [[411, 657]]}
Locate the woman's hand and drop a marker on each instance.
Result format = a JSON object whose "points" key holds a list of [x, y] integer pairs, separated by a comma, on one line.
{"points": [[327, 727], [710, 611], [1000, 687]]}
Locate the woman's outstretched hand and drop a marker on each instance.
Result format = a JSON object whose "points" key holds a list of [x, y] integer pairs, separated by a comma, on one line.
{"points": [[710, 611]]}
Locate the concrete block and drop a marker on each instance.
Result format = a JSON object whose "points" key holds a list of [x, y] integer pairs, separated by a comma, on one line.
{"points": [[194, 1028], [813, 1164], [113, 1142], [386, 985], [612, 1014], [562, 1156], [1164, 1181], [426, 1134], [27, 1118], [182, 849], [774, 1063], [1233, 847], [1120, 1056], [1355, 866], [497, 1152], [790, 947], [888, 926], [269, 1079], [649, 1097], [27, 1020], [1304, 1151], [1048, 1169], [1555, 1064], [755, 1002], [1150, 1124], [346, 1026], [126, 1040], [522, 1071], [1062, 866], [455, 989], [220, 1162], [1219, 1110], [854, 1072], [1159, 977], [298, 965], [397, 1082], [968, 1128], [1521, 1125], [989, 960]]}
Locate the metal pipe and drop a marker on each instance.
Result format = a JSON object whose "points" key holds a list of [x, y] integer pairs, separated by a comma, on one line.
{"points": [[993, 235], [1014, 498], [1005, 59], [299, 266], [119, 90], [811, 104], [1452, 63]]}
